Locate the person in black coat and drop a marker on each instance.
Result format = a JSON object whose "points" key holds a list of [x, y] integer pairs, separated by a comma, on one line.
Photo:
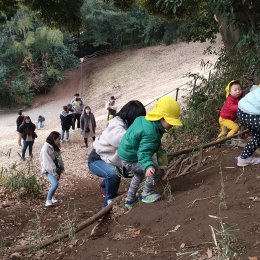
{"points": [[88, 125], [66, 122], [19, 121], [27, 130]]}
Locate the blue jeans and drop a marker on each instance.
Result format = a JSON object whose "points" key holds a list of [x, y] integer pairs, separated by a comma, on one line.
{"points": [[24, 148], [54, 185], [67, 134], [111, 177], [41, 124]]}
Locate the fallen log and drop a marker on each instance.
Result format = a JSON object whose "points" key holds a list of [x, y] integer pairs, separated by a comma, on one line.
{"points": [[59, 237], [194, 149]]}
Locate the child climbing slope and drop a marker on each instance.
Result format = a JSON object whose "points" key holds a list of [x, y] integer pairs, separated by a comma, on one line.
{"points": [[141, 141], [228, 113], [249, 115]]}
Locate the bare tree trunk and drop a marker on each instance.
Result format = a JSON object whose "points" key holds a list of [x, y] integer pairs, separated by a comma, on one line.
{"points": [[229, 32]]}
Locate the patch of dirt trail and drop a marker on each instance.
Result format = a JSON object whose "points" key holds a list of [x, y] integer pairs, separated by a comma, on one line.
{"points": [[147, 231]]}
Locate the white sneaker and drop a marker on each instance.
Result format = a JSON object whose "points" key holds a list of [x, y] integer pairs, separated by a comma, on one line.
{"points": [[109, 201], [248, 161], [48, 203], [53, 200]]}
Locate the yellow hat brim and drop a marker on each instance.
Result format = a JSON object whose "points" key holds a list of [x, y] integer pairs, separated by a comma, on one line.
{"points": [[174, 122], [171, 121]]}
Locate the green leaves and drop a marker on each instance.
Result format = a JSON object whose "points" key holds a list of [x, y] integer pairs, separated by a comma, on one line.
{"points": [[32, 57], [46, 37], [63, 14]]}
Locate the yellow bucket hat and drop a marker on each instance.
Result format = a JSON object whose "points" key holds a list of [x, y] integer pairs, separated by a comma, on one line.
{"points": [[228, 87], [167, 108]]}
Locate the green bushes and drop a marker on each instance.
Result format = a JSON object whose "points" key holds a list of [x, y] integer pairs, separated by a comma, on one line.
{"points": [[32, 58], [105, 24], [23, 181]]}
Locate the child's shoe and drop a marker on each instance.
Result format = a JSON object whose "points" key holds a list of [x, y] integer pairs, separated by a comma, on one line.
{"points": [[130, 203], [151, 198], [48, 203], [248, 161], [53, 200]]}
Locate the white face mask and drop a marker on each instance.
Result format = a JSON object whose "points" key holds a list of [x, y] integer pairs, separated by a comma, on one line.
{"points": [[27, 121], [87, 111]]}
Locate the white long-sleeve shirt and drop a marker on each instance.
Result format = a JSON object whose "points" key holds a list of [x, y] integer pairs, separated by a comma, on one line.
{"points": [[47, 157], [107, 144]]}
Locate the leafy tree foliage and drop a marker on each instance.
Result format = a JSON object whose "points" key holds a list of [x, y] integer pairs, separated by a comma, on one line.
{"points": [[243, 14], [238, 22], [64, 14], [32, 57], [106, 24]]}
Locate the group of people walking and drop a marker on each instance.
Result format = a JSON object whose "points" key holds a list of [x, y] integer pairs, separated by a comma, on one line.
{"points": [[76, 115], [73, 115], [132, 137]]}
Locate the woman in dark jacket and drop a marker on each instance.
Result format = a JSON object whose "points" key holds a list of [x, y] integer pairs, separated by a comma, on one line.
{"points": [[28, 135], [88, 125]]}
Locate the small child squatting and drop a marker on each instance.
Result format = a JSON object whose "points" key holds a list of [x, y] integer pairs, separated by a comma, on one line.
{"points": [[228, 113], [141, 141]]}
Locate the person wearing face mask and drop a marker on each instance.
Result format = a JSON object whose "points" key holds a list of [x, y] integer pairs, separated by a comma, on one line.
{"points": [[28, 135], [87, 125]]}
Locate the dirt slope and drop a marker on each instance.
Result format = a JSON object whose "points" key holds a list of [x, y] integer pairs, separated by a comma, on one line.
{"points": [[180, 224], [147, 230]]}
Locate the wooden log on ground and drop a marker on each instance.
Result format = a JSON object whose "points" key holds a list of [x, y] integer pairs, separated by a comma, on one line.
{"points": [[59, 237], [193, 149]]}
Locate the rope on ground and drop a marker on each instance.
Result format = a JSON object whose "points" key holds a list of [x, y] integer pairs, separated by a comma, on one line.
{"points": [[80, 227]]}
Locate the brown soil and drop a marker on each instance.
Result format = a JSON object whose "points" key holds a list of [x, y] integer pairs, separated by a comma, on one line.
{"points": [[148, 231]]}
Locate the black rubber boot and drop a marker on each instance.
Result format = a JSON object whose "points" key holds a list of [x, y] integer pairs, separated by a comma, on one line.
{"points": [[86, 142]]}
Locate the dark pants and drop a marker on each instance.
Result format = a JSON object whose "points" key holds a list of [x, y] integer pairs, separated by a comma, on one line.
{"points": [[252, 122], [111, 112], [25, 145], [86, 140], [76, 117]]}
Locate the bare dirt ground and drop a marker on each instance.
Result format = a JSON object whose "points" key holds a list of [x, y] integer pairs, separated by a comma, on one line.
{"points": [[170, 229]]}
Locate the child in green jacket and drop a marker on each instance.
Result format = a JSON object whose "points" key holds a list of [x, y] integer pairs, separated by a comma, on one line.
{"points": [[141, 141]]}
